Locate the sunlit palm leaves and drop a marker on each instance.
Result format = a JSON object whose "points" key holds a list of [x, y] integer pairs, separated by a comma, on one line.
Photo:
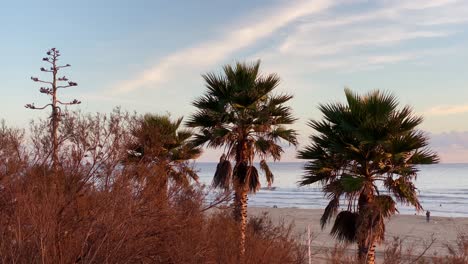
{"points": [[158, 139], [240, 113], [357, 145]]}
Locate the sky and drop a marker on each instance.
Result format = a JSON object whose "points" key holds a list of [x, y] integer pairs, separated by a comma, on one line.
{"points": [[148, 56]]}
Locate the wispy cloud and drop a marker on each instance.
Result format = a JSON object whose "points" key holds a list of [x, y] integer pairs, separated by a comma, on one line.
{"points": [[349, 63], [216, 50], [442, 110], [445, 21], [424, 4], [344, 41], [388, 25], [317, 31], [370, 38]]}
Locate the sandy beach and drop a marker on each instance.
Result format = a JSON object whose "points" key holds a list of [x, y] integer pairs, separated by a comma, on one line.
{"points": [[413, 229]]}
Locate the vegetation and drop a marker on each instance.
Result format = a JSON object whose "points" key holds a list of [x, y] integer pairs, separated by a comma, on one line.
{"points": [[362, 148], [119, 187], [240, 113], [97, 209], [396, 252], [159, 141]]}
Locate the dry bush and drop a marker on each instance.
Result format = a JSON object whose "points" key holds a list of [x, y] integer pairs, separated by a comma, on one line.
{"points": [[339, 254], [266, 242], [97, 209], [458, 253], [398, 252], [12, 152], [45, 224]]}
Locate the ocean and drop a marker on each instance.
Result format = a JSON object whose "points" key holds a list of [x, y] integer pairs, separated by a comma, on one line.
{"points": [[443, 189]]}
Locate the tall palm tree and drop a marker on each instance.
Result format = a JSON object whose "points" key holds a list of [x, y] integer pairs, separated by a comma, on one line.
{"points": [[240, 113], [160, 141], [365, 154]]}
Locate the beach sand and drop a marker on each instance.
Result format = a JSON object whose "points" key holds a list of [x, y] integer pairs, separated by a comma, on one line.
{"points": [[413, 229]]}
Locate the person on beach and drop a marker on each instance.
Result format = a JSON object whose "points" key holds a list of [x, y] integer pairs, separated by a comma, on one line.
{"points": [[428, 216]]}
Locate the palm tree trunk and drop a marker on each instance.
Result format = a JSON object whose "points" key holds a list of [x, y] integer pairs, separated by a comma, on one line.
{"points": [[366, 238], [371, 254], [366, 253], [243, 225], [240, 199], [362, 251], [240, 216]]}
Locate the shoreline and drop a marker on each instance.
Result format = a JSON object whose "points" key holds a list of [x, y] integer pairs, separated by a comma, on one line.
{"points": [[415, 232]]}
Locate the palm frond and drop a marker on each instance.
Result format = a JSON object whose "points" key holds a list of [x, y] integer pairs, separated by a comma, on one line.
{"points": [[223, 174], [386, 205], [268, 174], [330, 210], [205, 119], [404, 191], [344, 228], [318, 171], [254, 179], [247, 176], [351, 184], [423, 156], [267, 148], [280, 99], [288, 135]]}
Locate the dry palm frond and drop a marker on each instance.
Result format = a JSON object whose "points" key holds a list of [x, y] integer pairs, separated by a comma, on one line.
{"points": [[268, 174], [344, 228], [223, 175]]}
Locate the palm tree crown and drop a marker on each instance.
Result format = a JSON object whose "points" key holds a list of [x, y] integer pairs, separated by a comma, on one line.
{"points": [[159, 140], [365, 155], [240, 113]]}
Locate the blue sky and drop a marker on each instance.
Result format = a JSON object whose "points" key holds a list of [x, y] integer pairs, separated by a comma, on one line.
{"points": [[148, 55]]}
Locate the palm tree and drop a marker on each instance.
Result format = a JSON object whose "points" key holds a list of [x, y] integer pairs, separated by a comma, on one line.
{"points": [[240, 113], [160, 141], [365, 154]]}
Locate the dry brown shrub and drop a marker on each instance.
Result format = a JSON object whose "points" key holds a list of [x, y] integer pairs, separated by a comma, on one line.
{"points": [[399, 252], [97, 209], [266, 242], [340, 254], [458, 253]]}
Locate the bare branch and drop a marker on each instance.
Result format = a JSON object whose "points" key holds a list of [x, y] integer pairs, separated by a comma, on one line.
{"points": [[31, 106], [70, 84], [35, 79], [427, 247], [74, 102], [45, 90], [44, 70], [49, 60], [63, 66], [220, 199]]}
